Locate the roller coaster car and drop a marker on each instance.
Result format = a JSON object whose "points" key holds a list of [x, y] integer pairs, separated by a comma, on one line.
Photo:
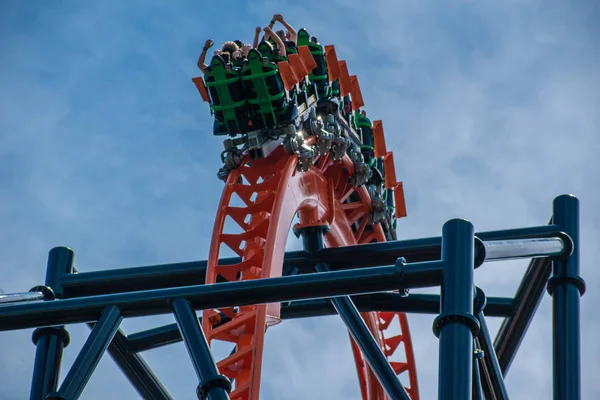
{"points": [[253, 96], [266, 100], [249, 97]]}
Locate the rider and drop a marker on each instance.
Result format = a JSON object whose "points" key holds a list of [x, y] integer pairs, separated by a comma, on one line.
{"points": [[201, 60], [233, 52], [289, 37], [280, 53], [257, 32]]}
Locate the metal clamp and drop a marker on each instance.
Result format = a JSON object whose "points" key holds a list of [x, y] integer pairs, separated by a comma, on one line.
{"points": [[466, 319]]}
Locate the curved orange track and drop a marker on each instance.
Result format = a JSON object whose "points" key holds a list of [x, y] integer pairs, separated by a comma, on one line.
{"points": [[273, 192]]}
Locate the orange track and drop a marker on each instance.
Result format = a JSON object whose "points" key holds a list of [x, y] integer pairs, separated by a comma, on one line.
{"points": [[273, 192]]}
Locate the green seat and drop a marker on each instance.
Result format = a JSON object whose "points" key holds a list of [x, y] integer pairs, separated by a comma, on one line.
{"points": [[265, 92], [290, 47], [303, 37], [365, 127], [227, 97], [319, 75], [272, 53]]}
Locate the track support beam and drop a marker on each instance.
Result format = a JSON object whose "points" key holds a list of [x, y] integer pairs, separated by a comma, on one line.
{"points": [[287, 288], [456, 325], [527, 300], [470, 366], [478, 393], [492, 379], [212, 386], [50, 342], [367, 344], [566, 287], [136, 370], [90, 355], [499, 250], [192, 273]]}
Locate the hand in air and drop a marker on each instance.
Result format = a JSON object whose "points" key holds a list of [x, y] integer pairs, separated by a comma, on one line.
{"points": [[209, 43], [278, 17], [268, 30], [258, 29]]}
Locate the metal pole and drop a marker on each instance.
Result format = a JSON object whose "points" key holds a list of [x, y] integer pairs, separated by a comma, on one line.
{"points": [[212, 386], [24, 297], [136, 370], [366, 342], [477, 383], [50, 342], [491, 361], [566, 287], [153, 338], [493, 381], [527, 300], [456, 325], [389, 302], [90, 356], [386, 302], [348, 257], [497, 250], [259, 291]]}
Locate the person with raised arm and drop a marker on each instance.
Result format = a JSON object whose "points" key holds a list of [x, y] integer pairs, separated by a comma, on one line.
{"points": [[290, 35], [256, 37], [269, 34], [201, 60], [231, 52]]}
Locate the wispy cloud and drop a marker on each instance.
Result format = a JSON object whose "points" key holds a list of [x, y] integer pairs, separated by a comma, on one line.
{"points": [[490, 109]]}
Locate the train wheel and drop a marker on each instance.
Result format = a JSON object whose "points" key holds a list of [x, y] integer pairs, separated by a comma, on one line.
{"points": [[273, 193]]}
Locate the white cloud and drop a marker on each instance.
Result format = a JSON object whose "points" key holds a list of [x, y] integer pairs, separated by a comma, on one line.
{"points": [[490, 110]]}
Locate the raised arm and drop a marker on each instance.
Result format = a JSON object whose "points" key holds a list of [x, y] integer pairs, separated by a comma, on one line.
{"points": [[278, 41], [291, 31], [267, 34], [256, 36], [207, 45]]}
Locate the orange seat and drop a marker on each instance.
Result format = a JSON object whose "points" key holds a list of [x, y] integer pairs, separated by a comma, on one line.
{"points": [[378, 139], [287, 75], [357, 99], [307, 58], [389, 171], [345, 83], [199, 82], [400, 201], [333, 66], [300, 70]]}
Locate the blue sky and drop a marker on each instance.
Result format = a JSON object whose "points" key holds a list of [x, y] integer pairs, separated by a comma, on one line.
{"points": [[491, 109]]}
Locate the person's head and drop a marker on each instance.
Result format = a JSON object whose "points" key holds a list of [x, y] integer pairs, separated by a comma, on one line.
{"points": [[230, 47], [230, 51], [226, 57], [267, 45], [281, 34], [239, 43]]}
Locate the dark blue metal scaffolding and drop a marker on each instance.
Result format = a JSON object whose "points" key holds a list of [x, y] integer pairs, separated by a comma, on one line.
{"points": [[349, 280]]}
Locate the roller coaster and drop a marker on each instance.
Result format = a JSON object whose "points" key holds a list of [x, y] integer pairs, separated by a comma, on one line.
{"points": [[299, 145]]}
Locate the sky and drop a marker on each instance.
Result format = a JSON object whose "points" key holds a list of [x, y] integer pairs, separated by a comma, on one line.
{"points": [[490, 107]]}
